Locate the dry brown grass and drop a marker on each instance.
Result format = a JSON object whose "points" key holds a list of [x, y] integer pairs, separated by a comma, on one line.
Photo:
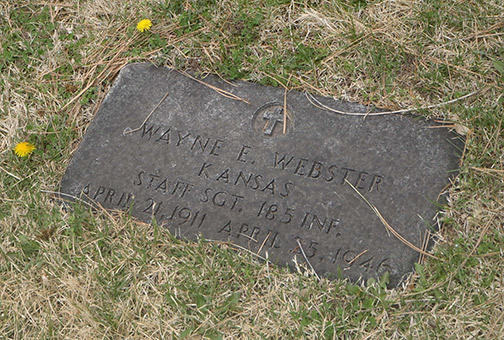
{"points": [[109, 278]]}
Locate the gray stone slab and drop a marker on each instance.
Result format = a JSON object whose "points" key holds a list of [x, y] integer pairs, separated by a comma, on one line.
{"points": [[205, 164]]}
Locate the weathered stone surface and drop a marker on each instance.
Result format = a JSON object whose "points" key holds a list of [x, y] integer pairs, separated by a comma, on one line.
{"points": [[205, 164]]}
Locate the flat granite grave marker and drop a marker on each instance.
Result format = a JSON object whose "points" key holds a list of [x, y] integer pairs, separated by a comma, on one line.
{"points": [[244, 163]]}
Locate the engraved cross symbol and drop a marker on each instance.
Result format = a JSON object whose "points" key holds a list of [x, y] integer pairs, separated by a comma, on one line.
{"points": [[272, 118]]}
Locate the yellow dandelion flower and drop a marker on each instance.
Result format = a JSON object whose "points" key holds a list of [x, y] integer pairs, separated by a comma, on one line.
{"points": [[144, 25], [23, 149]]}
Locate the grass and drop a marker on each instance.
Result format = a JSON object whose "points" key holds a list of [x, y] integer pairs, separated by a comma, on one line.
{"points": [[100, 275]]}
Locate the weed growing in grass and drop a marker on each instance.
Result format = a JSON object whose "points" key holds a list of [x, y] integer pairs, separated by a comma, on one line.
{"points": [[144, 25], [24, 149]]}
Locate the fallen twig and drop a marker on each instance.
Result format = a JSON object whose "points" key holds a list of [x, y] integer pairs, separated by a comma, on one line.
{"points": [[388, 227], [306, 259], [129, 130], [215, 88], [319, 105]]}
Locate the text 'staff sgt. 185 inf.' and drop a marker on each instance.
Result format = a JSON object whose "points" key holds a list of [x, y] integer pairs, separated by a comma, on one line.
{"points": [[278, 175]]}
